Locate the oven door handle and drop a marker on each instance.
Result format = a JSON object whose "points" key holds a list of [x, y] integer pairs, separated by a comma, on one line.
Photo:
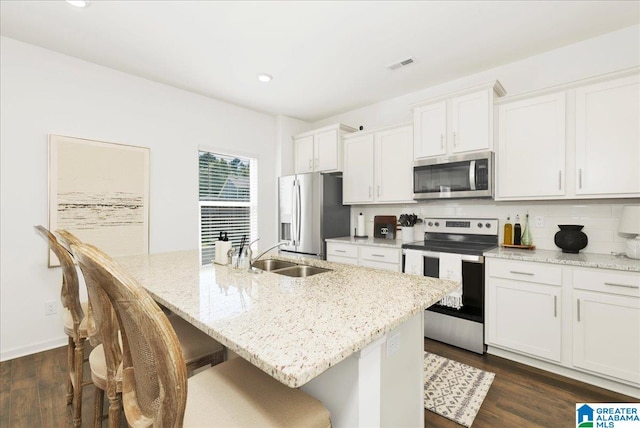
{"points": [[435, 255]]}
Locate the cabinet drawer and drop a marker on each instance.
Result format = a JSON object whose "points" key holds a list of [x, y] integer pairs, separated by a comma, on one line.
{"points": [[626, 284], [524, 271], [342, 250], [378, 254]]}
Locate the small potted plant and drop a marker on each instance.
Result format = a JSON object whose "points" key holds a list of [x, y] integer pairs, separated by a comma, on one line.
{"points": [[407, 221]]}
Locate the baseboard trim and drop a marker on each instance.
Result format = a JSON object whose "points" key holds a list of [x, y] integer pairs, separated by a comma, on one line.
{"points": [[33, 349], [611, 385]]}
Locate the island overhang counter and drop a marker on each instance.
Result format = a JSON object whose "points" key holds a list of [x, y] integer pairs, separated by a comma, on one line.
{"points": [[352, 336]]}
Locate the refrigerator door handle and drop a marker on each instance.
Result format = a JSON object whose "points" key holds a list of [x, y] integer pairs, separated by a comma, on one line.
{"points": [[294, 214], [298, 214]]}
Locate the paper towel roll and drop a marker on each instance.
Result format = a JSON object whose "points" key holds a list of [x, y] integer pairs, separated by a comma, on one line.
{"points": [[222, 248], [360, 226]]}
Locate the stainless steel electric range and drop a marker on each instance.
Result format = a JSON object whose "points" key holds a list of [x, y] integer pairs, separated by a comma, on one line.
{"points": [[459, 243]]}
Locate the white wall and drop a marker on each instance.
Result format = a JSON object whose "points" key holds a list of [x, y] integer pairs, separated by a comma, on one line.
{"points": [[614, 51], [610, 52], [44, 92]]}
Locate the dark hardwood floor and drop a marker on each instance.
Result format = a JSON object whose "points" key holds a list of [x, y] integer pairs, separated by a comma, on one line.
{"points": [[521, 396], [32, 393]]}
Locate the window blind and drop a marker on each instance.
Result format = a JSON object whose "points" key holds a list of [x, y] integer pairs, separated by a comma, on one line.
{"points": [[228, 200]]}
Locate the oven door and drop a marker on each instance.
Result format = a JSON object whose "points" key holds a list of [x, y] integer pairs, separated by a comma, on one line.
{"points": [[461, 176], [472, 283]]}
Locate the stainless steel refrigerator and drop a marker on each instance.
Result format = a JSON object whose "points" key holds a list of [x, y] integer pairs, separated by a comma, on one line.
{"points": [[311, 211]]}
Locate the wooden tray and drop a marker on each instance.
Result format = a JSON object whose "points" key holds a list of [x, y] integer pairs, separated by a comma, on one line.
{"points": [[520, 247]]}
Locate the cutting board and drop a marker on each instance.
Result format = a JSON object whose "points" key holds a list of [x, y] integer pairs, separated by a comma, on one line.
{"points": [[384, 226]]}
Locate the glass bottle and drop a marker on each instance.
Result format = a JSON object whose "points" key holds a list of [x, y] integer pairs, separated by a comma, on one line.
{"points": [[517, 232], [527, 239], [508, 232]]}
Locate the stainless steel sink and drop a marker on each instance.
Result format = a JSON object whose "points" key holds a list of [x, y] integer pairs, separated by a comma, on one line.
{"points": [[301, 271], [271, 264]]}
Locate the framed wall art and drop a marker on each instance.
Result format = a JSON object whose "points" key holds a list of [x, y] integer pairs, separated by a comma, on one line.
{"points": [[100, 192]]}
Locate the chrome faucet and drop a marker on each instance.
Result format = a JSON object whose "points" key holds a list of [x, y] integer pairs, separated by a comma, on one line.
{"points": [[252, 261]]}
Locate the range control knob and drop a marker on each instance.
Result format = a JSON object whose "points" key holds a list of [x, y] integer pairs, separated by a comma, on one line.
{"points": [[480, 225], [430, 223], [488, 225], [437, 224]]}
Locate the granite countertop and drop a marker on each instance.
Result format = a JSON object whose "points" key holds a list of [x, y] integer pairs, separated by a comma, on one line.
{"points": [[292, 328], [591, 260], [376, 242]]}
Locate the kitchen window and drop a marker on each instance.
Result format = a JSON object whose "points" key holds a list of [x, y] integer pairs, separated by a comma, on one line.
{"points": [[228, 187]]}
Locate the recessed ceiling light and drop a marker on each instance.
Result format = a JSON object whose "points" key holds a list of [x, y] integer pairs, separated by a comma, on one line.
{"points": [[78, 3], [264, 77]]}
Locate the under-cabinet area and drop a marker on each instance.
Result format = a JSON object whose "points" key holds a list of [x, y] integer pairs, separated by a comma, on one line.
{"points": [[565, 317]]}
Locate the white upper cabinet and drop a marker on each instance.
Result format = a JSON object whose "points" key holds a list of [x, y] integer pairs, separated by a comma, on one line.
{"points": [[320, 150], [378, 166], [580, 141], [531, 148], [457, 123], [608, 138]]}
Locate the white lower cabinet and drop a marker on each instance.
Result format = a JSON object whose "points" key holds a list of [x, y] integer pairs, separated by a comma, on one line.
{"points": [[525, 313], [365, 255], [606, 324], [593, 334]]}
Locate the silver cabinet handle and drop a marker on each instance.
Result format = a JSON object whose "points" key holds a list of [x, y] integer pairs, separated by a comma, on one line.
{"points": [[377, 255], [317, 162], [560, 180], [378, 190], [310, 163], [521, 273], [555, 306], [578, 310], [442, 141], [621, 285], [370, 191], [580, 178], [340, 251], [455, 139]]}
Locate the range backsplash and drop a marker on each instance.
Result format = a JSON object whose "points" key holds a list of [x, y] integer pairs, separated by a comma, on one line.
{"points": [[600, 218]]}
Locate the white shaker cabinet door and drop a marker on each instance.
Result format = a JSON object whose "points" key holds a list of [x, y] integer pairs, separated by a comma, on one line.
{"points": [[304, 156], [608, 138], [357, 179], [531, 148], [525, 317], [430, 130], [606, 336], [326, 154], [394, 165], [470, 122]]}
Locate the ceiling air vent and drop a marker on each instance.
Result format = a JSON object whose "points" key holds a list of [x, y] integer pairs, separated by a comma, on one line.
{"points": [[399, 64]]}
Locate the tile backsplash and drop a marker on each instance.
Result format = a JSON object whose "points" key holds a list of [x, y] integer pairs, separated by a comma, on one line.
{"points": [[599, 217]]}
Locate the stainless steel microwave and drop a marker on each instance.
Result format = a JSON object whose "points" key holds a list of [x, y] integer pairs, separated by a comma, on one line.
{"points": [[458, 176]]}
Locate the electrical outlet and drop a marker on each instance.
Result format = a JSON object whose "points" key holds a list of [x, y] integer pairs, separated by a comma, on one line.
{"points": [[50, 307], [539, 221], [393, 344]]}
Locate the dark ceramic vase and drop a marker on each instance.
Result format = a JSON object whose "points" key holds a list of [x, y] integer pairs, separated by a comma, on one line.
{"points": [[571, 238]]}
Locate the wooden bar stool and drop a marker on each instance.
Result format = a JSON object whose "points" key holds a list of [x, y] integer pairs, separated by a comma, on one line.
{"points": [[75, 323]]}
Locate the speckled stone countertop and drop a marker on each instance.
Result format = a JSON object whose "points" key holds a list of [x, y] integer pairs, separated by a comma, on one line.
{"points": [[292, 328], [376, 242], [591, 260]]}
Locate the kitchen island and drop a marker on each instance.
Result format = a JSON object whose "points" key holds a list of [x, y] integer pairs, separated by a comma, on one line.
{"points": [[352, 337]]}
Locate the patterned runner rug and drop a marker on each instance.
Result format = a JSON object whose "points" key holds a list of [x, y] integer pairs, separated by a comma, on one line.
{"points": [[454, 390]]}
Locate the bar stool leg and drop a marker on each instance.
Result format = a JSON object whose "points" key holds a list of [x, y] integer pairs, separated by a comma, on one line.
{"points": [[78, 363], [70, 366]]}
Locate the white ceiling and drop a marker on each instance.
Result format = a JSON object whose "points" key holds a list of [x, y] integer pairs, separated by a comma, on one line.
{"points": [[326, 57]]}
